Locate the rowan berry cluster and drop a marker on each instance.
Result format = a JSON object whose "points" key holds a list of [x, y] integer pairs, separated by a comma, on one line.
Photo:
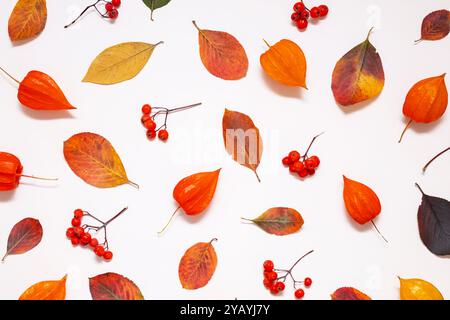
{"points": [[111, 10], [301, 14], [79, 234]]}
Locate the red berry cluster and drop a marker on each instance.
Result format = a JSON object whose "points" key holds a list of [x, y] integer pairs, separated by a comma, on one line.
{"points": [[302, 165], [275, 283], [110, 7], [301, 14], [80, 234]]}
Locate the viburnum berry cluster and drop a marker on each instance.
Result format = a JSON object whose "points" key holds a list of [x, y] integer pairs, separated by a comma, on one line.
{"points": [[275, 283], [148, 120], [111, 10], [301, 14], [81, 234], [302, 165]]}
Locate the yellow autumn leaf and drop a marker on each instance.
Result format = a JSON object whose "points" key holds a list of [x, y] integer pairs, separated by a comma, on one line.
{"points": [[27, 20], [119, 63], [418, 289], [46, 290]]}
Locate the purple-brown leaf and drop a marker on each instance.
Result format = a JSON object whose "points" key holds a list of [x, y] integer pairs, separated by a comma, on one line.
{"points": [[24, 236], [436, 25]]}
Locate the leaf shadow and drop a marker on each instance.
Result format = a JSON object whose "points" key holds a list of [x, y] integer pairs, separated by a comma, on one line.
{"points": [[46, 114], [356, 107], [6, 196], [281, 89], [355, 225], [423, 127], [25, 41]]}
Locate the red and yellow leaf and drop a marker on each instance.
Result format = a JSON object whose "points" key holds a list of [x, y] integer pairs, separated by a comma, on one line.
{"points": [[197, 265], [27, 20], [113, 286], [349, 293], [24, 236], [280, 221], [222, 54], [46, 290]]}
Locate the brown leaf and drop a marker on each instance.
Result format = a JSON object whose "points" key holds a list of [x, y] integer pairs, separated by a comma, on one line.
{"points": [[113, 286], [436, 25], [197, 265], [279, 221], [24, 236], [242, 139], [46, 290], [27, 20]]}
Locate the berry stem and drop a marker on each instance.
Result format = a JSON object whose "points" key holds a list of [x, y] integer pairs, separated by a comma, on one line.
{"points": [[404, 130], [310, 145], [10, 76], [376, 228], [37, 178], [84, 11], [115, 217], [289, 272], [434, 158], [184, 108], [168, 223]]}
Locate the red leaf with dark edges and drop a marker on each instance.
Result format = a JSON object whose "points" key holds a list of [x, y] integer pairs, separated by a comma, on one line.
{"points": [[113, 286], [24, 236], [349, 293]]}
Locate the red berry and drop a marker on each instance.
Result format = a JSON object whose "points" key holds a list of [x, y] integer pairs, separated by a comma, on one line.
{"points": [[286, 161], [274, 289], [302, 24], [304, 14], [303, 173], [109, 6], [145, 118], [295, 16], [311, 172], [294, 156], [163, 135], [315, 161], [113, 14], [99, 251], [315, 12], [146, 109], [79, 231], [268, 265], [267, 283], [93, 243], [108, 255], [150, 124], [116, 3], [76, 222], [297, 166], [299, 7], [70, 233], [85, 238], [75, 241], [272, 276], [299, 293], [151, 134], [309, 164], [323, 10], [280, 286], [307, 282], [78, 213]]}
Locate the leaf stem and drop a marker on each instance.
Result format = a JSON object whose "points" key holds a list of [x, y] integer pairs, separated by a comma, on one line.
{"points": [[37, 178], [434, 158], [418, 41], [10, 76], [369, 33], [266, 43], [376, 228], [133, 184], [404, 130], [196, 26], [257, 176], [420, 189], [170, 220]]}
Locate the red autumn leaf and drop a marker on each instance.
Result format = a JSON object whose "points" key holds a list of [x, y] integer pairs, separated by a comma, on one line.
{"points": [[24, 236], [197, 265], [361, 202], [435, 26], [349, 293], [113, 286], [222, 54]]}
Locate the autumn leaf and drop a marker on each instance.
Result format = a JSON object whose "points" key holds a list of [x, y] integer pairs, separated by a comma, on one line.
{"points": [[113, 286], [349, 293], [46, 290], [418, 289], [197, 265], [155, 4], [27, 20], [242, 139], [361, 202], [285, 62], [426, 101], [24, 236], [119, 63], [435, 26], [434, 223], [94, 159], [279, 221], [222, 54], [358, 76]]}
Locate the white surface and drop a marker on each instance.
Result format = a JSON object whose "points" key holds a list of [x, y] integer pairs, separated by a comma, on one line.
{"points": [[361, 144]]}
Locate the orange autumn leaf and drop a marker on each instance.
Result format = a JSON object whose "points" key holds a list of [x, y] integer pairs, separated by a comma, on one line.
{"points": [[27, 20], [46, 290], [222, 54], [426, 101], [361, 202], [279, 221], [94, 159], [349, 293], [197, 265], [285, 62], [242, 139]]}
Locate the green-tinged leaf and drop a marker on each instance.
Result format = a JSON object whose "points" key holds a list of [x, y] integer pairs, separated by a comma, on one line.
{"points": [[155, 4], [279, 221]]}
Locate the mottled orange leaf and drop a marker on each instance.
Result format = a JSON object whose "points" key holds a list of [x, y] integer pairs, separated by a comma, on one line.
{"points": [[279, 221], [24, 236], [361, 202], [222, 54], [285, 62], [426, 101], [358, 76], [27, 20], [94, 159], [418, 289], [113, 286], [242, 139], [46, 290], [435, 26], [197, 265], [349, 293]]}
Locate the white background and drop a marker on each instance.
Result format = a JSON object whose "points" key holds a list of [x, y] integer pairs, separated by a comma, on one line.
{"points": [[359, 142]]}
